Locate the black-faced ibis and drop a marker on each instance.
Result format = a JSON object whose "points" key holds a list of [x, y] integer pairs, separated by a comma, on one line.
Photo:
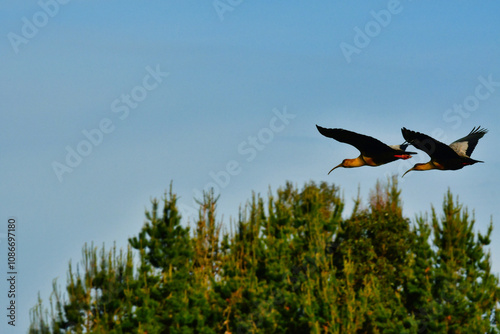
{"points": [[444, 157], [373, 151]]}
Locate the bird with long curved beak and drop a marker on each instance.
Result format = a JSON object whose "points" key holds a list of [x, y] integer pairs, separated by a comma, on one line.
{"points": [[444, 157], [372, 151]]}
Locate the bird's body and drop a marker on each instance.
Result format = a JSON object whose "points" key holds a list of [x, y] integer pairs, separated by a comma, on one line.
{"points": [[373, 151], [444, 157]]}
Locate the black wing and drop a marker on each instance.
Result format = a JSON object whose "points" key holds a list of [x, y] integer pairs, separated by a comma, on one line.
{"points": [[434, 148], [464, 146], [365, 144]]}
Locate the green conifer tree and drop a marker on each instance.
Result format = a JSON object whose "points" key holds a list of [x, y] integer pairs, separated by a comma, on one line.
{"points": [[465, 291], [292, 264], [165, 273]]}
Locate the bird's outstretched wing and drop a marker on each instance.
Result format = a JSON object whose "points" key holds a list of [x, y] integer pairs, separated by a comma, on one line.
{"points": [[434, 148], [365, 144], [464, 146]]}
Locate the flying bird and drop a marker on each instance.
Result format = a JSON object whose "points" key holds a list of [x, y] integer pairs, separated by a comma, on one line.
{"points": [[444, 157], [373, 151]]}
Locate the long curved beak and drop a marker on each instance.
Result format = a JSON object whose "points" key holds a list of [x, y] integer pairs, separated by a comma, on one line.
{"points": [[407, 172], [334, 168]]}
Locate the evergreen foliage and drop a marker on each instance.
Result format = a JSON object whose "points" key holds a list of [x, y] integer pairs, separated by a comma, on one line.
{"points": [[292, 264]]}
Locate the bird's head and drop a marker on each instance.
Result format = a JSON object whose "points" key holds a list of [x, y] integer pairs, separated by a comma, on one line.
{"points": [[426, 166], [342, 164]]}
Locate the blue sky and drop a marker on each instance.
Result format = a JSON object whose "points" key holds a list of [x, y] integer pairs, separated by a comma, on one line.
{"points": [[183, 90]]}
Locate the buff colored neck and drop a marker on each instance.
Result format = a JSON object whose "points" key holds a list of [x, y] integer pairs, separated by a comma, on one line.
{"points": [[427, 166], [358, 162], [349, 163]]}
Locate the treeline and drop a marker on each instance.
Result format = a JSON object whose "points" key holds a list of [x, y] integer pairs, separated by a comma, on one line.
{"points": [[291, 263]]}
